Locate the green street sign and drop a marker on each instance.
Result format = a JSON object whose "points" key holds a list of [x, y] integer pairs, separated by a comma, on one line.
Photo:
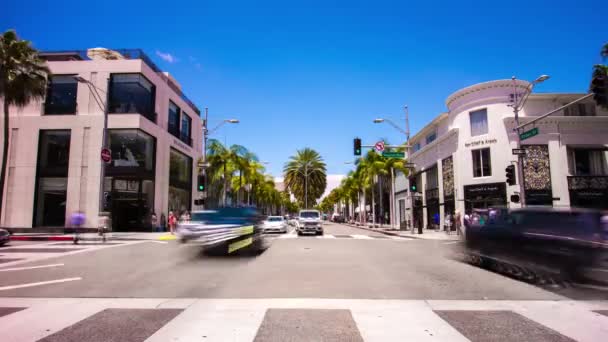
{"points": [[399, 155], [529, 134]]}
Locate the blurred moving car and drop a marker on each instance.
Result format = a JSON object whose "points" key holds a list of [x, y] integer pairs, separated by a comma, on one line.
{"points": [[225, 230], [337, 218], [571, 242], [275, 224], [309, 221], [5, 237]]}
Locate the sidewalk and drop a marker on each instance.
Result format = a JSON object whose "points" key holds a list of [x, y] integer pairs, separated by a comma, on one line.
{"points": [[426, 235], [116, 236]]}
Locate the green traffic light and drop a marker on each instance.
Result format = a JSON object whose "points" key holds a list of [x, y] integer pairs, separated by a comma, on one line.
{"points": [[201, 188]]}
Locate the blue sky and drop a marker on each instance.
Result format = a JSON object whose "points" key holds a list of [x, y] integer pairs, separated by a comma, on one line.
{"points": [[315, 73]]}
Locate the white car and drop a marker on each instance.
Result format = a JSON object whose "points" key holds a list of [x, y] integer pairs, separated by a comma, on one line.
{"points": [[275, 224], [309, 221]]}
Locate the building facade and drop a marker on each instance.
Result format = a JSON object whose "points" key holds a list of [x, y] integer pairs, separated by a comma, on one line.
{"points": [[154, 135], [461, 156]]}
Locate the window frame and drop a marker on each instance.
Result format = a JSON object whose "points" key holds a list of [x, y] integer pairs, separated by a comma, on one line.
{"points": [[433, 134], [471, 113], [177, 131], [151, 115], [48, 93], [481, 162]]}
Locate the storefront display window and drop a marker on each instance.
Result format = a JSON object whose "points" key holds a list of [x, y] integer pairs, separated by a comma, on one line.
{"points": [[180, 181]]}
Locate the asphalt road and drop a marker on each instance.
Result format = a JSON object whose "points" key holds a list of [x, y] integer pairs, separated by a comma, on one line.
{"points": [[301, 267]]}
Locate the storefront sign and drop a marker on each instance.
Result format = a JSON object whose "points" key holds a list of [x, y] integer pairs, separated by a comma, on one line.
{"points": [[181, 144], [482, 142]]}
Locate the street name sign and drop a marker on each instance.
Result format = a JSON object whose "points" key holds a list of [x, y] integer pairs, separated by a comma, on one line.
{"points": [[379, 146], [399, 155], [519, 151], [529, 134]]}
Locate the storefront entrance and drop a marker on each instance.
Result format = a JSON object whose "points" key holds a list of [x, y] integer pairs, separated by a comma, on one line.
{"points": [[131, 204], [484, 196], [432, 208]]}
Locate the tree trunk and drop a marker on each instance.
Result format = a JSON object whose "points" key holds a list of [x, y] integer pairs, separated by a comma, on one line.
{"points": [[4, 156], [373, 206], [381, 192], [225, 185]]}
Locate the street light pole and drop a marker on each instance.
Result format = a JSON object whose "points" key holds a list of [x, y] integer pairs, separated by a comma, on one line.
{"points": [[104, 135], [517, 107]]}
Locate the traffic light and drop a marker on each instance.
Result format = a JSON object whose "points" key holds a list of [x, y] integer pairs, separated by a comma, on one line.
{"points": [[201, 183], [510, 174], [357, 146], [599, 87], [413, 187]]}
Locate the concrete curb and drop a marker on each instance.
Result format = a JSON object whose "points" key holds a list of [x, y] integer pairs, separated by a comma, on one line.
{"points": [[393, 233], [41, 238]]}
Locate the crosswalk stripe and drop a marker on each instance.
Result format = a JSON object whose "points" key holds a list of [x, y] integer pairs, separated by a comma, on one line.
{"points": [[240, 319], [326, 236], [363, 237]]}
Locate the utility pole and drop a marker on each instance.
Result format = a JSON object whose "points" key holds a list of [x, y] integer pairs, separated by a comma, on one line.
{"points": [[407, 136]]}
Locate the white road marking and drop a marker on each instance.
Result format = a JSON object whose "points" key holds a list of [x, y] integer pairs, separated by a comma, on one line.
{"points": [[363, 237], [326, 236], [12, 287], [28, 268], [451, 242], [161, 242]]}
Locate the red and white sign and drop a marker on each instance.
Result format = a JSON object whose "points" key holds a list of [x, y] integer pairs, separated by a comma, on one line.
{"points": [[379, 146], [106, 155]]}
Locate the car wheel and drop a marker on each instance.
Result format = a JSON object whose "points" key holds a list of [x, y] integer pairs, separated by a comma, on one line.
{"points": [[300, 233], [320, 233]]}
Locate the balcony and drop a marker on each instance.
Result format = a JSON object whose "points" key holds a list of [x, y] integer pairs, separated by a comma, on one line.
{"points": [[588, 183]]}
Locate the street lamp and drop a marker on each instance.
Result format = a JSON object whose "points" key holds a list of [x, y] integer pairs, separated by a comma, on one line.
{"points": [[104, 139], [406, 132], [518, 105]]}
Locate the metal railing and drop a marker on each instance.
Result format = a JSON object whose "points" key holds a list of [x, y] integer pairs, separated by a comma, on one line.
{"points": [[587, 182]]}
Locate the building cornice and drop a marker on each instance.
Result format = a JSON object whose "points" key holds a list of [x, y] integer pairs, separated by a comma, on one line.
{"points": [[520, 84], [437, 142]]}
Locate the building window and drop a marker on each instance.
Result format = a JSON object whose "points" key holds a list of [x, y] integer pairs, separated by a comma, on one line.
{"points": [[61, 95], [52, 178], [132, 93], [180, 181], [173, 124], [589, 162], [479, 122], [133, 152], [482, 165], [186, 131], [431, 137], [580, 109], [416, 147]]}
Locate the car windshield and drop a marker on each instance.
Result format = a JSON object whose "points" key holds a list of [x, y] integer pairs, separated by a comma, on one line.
{"points": [[274, 219], [309, 214]]}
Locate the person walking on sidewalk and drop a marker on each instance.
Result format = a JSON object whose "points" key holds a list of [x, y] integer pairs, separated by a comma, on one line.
{"points": [[163, 223], [77, 220], [172, 221], [154, 222]]}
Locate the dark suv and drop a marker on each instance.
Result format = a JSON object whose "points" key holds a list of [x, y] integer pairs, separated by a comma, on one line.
{"points": [[569, 241]]}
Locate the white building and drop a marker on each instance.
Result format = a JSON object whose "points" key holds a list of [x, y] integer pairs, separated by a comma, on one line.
{"points": [[461, 155], [154, 134]]}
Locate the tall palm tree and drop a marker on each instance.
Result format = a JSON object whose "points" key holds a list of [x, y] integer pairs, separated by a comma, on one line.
{"points": [[23, 78], [306, 176]]}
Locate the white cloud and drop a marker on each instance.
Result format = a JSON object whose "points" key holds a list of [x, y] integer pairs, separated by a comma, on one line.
{"points": [[198, 66], [167, 57]]}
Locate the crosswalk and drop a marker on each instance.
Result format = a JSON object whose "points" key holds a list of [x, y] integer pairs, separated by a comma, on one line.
{"points": [[15, 254], [299, 319], [294, 235]]}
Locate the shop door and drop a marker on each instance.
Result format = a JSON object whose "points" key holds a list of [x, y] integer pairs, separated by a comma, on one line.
{"points": [[129, 207]]}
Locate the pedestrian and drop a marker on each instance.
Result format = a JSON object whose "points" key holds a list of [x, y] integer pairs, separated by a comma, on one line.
{"points": [[154, 221], [436, 220], [77, 220], [457, 222], [448, 223], [172, 221], [163, 223]]}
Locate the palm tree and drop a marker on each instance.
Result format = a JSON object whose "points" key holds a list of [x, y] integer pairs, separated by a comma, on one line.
{"points": [[305, 175], [23, 78]]}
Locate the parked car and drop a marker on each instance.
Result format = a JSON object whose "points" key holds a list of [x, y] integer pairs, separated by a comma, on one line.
{"points": [[224, 231], [309, 221], [275, 224], [5, 237], [570, 242]]}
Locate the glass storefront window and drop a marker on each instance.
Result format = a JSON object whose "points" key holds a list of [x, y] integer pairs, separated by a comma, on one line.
{"points": [[132, 150], [132, 93], [186, 129], [173, 124], [180, 181], [51, 178], [61, 95]]}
